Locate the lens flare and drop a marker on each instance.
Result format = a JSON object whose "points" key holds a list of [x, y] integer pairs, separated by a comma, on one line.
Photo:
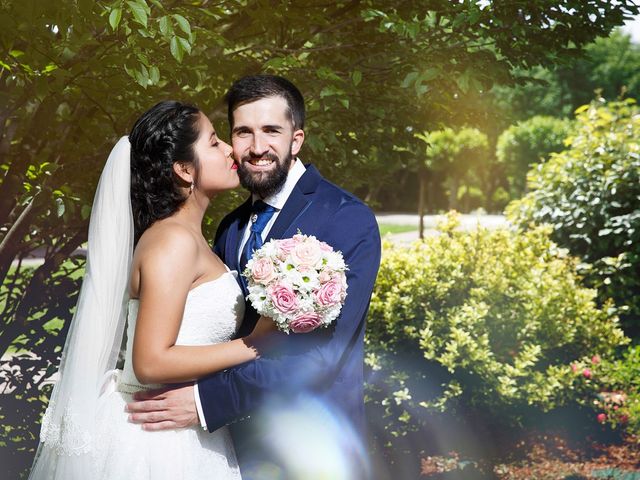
{"points": [[311, 440]]}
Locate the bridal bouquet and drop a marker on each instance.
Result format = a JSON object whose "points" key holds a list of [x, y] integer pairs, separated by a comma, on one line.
{"points": [[299, 282]]}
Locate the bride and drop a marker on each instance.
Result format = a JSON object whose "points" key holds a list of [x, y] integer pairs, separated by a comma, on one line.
{"points": [[179, 301]]}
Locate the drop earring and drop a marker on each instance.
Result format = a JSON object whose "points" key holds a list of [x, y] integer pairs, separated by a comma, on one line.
{"points": [[191, 187]]}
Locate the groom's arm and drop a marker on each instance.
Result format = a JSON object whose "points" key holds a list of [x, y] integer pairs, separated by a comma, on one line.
{"points": [[236, 392]]}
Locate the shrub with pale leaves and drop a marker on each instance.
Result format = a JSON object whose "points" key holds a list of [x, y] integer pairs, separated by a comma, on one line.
{"points": [[490, 321]]}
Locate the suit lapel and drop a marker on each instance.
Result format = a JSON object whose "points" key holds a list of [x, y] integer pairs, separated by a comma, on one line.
{"points": [[296, 204], [235, 235]]}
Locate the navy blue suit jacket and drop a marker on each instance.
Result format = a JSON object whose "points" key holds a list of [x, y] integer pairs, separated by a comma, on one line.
{"points": [[326, 364]]}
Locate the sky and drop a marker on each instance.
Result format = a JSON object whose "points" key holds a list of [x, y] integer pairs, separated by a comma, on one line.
{"points": [[633, 28]]}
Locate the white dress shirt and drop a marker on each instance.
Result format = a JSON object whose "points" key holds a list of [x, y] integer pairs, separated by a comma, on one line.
{"points": [[277, 200]]}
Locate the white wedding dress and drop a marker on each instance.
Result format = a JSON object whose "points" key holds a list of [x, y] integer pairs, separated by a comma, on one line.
{"points": [[212, 314]]}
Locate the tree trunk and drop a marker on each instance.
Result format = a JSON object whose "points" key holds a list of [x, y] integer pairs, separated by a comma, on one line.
{"points": [[431, 197], [372, 194], [10, 244], [453, 193], [467, 200]]}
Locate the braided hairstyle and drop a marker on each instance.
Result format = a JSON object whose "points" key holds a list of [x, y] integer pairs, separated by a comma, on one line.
{"points": [[163, 135]]}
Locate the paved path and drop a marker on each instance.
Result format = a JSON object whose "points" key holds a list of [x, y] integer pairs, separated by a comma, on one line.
{"points": [[467, 222]]}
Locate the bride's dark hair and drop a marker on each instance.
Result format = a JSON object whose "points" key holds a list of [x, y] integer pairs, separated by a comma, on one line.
{"points": [[163, 135]]}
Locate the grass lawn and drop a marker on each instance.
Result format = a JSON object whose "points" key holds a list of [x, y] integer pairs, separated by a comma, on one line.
{"points": [[391, 228]]}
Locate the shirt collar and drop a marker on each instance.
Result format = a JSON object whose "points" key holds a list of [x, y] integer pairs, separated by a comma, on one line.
{"points": [[279, 198]]}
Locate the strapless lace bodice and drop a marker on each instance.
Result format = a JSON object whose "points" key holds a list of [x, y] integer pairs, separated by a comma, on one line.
{"points": [[212, 314]]}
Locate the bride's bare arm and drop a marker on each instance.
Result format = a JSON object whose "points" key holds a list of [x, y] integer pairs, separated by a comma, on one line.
{"points": [[167, 267]]}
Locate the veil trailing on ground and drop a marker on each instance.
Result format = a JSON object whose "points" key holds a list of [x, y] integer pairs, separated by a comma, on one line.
{"points": [[67, 443]]}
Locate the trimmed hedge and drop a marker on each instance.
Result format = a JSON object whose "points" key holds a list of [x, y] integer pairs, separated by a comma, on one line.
{"points": [[484, 321]]}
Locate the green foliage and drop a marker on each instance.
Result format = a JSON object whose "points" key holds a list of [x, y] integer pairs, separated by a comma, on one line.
{"points": [[483, 322], [452, 150], [74, 75], [40, 300], [529, 142], [440, 148], [537, 92], [616, 388], [590, 194], [610, 66], [620, 398], [456, 154]]}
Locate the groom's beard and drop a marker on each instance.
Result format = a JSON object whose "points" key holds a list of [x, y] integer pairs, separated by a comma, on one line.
{"points": [[265, 184]]}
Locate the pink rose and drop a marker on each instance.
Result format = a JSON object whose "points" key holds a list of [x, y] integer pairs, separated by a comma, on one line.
{"points": [[324, 277], [283, 298], [263, 271], [586, 373], [595, 359], [330, 293], [305, 322], [285, 246], [341, 278], [306, 254], [601, 417], [325, 247], [574, 367], [624, 418]]}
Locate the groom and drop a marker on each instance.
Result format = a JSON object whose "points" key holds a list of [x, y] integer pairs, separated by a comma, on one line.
{"points": [[302, 401]]}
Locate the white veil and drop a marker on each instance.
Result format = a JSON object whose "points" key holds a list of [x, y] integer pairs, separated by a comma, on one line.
{"points": [[91, 349]]}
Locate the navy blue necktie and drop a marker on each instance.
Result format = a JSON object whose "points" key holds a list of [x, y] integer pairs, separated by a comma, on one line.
{"points": [[261, 213]]}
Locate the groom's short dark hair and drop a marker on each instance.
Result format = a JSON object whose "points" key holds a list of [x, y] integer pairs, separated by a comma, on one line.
{"points": [[255, 87]]}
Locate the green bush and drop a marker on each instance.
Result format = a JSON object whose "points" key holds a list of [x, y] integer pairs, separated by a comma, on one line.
{"points": [[37, 304], [484, 321], [590, 195], [619, 401], [527, 143]]}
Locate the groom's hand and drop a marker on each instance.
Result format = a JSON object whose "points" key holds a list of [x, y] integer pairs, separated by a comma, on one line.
{"points": [[164, 409]]}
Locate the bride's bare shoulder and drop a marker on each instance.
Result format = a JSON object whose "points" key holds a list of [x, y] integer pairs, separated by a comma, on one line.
{"points": [[167, 249], [167, 238]]}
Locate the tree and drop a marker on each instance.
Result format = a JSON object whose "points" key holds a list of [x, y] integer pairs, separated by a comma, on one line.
{"points": [[74, 75], [437, 155], [610, 68], [454, 154], [614, 64], [472, 151], [529, 142]]}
